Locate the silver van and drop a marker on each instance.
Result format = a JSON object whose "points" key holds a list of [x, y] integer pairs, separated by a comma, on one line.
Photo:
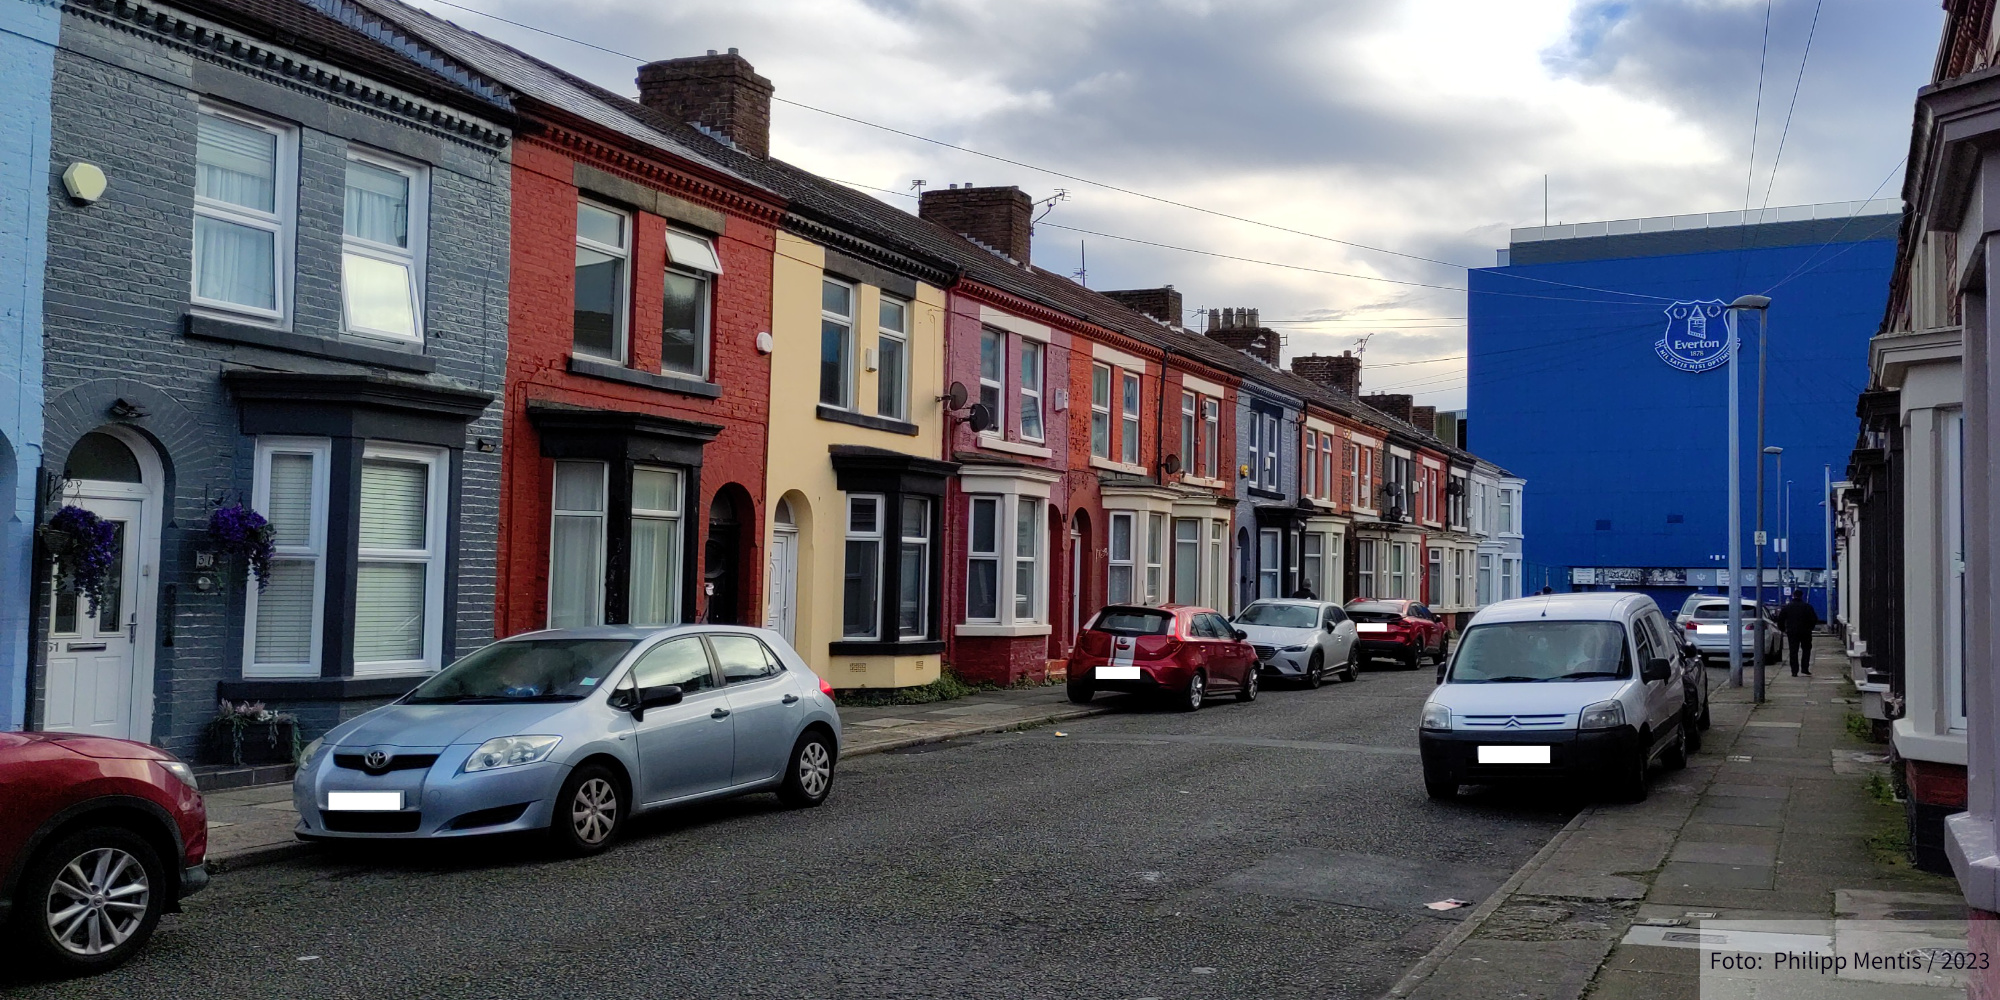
{"points": [[1590, 686]]}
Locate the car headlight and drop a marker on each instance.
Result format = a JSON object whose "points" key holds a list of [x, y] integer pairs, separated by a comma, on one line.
{"points": [[1603, 715], [306, 755], [181, 771], [1436, 716], [1300, 648], [510, 751]]}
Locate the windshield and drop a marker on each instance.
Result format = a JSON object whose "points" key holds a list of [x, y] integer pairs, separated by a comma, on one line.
{"points": [[1133, 621], [1516, 652], [1280, 615], [525, 670], [1720, 612]]}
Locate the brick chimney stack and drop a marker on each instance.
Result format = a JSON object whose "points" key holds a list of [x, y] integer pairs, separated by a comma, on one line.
{"points": [[1425, 417], [1342, 373], [720, 93], [1395, 404], [1163, 304], [1240, 330], [999, 217]]}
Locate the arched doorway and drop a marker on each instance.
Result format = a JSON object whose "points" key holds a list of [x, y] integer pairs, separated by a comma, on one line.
{"points": [[720, 576], [99, 672], [781, 608]]}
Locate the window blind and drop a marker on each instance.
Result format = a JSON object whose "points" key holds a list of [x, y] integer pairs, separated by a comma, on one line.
{"points": [[394, 504]]}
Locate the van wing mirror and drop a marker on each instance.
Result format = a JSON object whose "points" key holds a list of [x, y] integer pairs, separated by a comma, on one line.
{"points": [[1656, 669]]}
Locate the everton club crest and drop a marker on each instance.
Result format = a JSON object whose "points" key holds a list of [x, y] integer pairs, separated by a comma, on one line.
{"points": [[1697, 339]]}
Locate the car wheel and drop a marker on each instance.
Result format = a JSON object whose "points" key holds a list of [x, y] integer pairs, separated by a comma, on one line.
{"points": [[1629, 783], [1414, 658], [1676, 755], [1440, 785], [1704, 714], [1315, 670], [1248, 690], [1197, 688], [1444, 649], [1080, 693], [809, 776], [589, 811], [89, 902], [1691, 729], [1353, 668]]}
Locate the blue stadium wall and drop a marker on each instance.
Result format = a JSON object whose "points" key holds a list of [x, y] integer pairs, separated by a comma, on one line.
{"points": [[1624, 455]]}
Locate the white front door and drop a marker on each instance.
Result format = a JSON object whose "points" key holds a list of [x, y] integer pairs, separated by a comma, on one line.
{"points": [[93, 684], [784, 577]]}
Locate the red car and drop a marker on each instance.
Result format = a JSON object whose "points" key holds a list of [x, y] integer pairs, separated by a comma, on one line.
{"points": [[1183, 652], [1404, 631], [98, 837]]}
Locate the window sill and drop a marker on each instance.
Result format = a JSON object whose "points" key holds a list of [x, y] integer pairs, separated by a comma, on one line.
{"points": [[319, 688], [1111, 466], [1263, 494], [591, 368], [1208, 484], [992, 442], [225, 331], [840, 416], [978, 631], [870, 647]]}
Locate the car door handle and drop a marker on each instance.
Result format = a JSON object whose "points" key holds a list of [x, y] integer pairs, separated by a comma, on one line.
{"points": [[790, 699], [720, 713]]}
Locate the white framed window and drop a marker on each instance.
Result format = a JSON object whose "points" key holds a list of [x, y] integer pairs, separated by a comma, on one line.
{"points": [[399, 570], [1100, 411], [1187, 561], [576, 544], [1211, 438], [1190, 450], [245, 211], [1270, 475], [1027, 559], [982, 576], [1398, 570], [892, 361], [1128, 439], [1506, 511], [1310, 470], [1507, 578], [603, 256], [1119, 575], [913, 583], [1485, 592], [1218, 566], [285, 616], [1434, 579], [384, 222], [1364, 557], [687, 304], [1156, 557], [655, 587], [861, 595], [1326, 473], [836, 344], [1031, 390], [1312, 563], [993, 376], [1270, 552]]}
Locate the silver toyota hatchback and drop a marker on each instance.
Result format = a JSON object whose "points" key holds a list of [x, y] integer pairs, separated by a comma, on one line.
{"points": [[572, 731]]}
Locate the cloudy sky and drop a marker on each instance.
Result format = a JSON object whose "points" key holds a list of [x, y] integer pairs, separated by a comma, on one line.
{"points": [[1418, 126]]}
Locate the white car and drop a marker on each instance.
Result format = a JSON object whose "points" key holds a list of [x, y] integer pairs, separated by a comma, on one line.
{"points": [[1706, 625], [1561, 686], [1301, 640]]}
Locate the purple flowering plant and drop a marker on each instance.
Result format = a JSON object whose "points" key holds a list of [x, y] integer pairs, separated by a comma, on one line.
{"points": [[85, 548], [242, 533]]}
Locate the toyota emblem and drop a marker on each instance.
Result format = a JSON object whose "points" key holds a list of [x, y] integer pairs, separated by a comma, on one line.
{"points": [[376, 760]]}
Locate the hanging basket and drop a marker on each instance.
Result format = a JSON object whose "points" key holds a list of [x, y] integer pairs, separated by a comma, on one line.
{"points": [[84, 548], [238, 533]]}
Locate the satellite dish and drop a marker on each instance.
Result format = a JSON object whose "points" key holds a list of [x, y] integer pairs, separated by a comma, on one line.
{"points": [[1306, 503], [956, 395], [1171, 464], [982, 415]]}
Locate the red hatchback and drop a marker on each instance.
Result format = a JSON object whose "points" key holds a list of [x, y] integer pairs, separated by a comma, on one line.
{"points": [[98, 837], [1404, 631], [1183, 652]]}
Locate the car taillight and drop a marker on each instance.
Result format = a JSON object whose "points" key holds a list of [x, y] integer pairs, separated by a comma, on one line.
{"points": [[1690, 626], [825, 688]]}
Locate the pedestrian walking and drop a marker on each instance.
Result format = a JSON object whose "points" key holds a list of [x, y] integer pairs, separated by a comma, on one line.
{"points": [[1305, 592], [1796, 620]]}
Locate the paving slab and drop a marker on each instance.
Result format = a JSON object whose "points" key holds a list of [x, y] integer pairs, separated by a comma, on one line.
{"points": [[1725, 853], [1698, 875], [1519, 970]]}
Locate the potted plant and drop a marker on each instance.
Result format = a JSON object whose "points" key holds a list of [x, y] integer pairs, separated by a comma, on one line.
{"points": [[239, 533], [249, 733], [85, 550]]}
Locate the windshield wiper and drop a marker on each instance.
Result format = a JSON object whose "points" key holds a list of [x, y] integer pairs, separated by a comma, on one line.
{"points": [[496, 699], [1513, 679], [1588, 673]]}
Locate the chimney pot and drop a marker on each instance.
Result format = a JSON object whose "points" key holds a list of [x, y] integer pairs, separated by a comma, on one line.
{"points": [[1342, 373], [1395, 404], [999, 217], [721, 93], [1238, 329], [732, 50], [1163, 304]]}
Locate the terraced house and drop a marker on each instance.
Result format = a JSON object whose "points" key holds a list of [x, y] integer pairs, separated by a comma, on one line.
{"points": [[288, 298]]}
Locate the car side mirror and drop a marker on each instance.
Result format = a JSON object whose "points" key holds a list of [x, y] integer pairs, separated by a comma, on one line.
{"points": [[654, 697], [1239, 634], [1330, 626], [1656, 669]]}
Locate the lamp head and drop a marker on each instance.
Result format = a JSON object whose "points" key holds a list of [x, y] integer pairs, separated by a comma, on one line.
{"points": [[1773, 450], [1751, 302]]}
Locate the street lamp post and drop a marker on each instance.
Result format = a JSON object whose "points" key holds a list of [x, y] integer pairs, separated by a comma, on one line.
{"points": [[1760, 303], [1779, 453]]}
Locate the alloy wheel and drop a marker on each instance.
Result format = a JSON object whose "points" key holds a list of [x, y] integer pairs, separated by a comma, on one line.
{"points": [[594, 811], [98, 901], [815, 768], [1195, 690]]}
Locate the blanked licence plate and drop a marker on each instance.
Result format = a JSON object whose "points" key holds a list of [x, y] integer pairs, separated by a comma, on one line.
{"points": [[1110, 673], [1371, 626], [1513, 755], [1711, 629], [364, 801]]}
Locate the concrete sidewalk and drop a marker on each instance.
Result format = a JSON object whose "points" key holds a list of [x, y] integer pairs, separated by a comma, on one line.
{"points": [[1771, 820], [254, 825]]}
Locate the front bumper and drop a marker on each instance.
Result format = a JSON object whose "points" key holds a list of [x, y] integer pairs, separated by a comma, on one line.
{"points": [[1285, 664], [1589, 753], [438, 803]]}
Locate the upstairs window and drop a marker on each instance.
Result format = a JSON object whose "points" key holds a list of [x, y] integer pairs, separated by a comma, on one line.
{"points": [[1211, 438], [381, 281], [1326, 475], [1310, 469], [1031, 390], [603, 247], [836, 344], [686, 304], [892, 364], [1100, 411], [993, 376], [1190, 452], [1128, 443], [243, 212]]}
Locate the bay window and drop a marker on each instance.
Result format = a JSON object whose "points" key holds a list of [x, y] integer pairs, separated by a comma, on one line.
{"points": [[576, 545], [1187, 561], [913, 579], [836, 344], [982, 576], [603, 249], [1005, 571], [381, 268], [1364, 557], [1218, 594], [1398, 570], [1027, 558], [1100, 411], [399, 575], [861, 616], [1485, 592], [1508, 578], [1270, 573], [1118, 578], [892, 363], [283, 623], [1434, 578], [687, 304], [1155, 557], [1031, 390], [890, 593], [1312, 563], [244, 194], [1128, 441], [656, 539]]}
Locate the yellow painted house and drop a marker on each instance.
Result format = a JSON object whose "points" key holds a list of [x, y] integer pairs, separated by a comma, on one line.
{"points": [[855, 481]]}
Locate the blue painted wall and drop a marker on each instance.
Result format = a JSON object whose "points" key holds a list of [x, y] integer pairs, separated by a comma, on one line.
{"points": [[1565, 390], [28, 32]]}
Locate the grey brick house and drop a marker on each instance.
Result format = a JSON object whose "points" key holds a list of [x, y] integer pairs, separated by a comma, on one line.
{"points": [[292, 296]]}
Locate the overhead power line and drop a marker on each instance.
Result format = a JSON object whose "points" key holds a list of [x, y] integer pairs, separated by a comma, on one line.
{"points": [[1787, 131]]}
